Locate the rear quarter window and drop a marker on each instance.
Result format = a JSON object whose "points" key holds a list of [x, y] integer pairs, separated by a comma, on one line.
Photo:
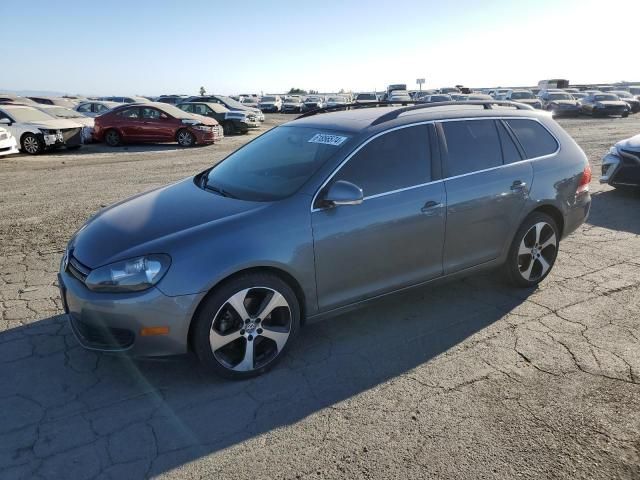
{"points": [[536, 141]]}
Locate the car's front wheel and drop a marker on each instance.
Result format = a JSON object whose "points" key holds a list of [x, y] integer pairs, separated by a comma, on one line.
{"points": [[245, 325], [228, 128], [533, 251], [185, 138], [31, 144]]}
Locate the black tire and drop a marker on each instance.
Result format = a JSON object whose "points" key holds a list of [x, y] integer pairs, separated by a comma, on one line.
{"points": [[215, 316], [185, 138], [112, 138], [32, 144], [73, 147], [526, 270], [228, 128], [625, 114]]}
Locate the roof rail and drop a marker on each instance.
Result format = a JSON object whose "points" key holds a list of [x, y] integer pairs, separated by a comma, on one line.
{"points": [[487, 104], [349, 106]]}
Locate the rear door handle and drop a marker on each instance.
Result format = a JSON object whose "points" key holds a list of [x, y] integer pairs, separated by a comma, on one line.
{"points": [[518, 185], [430, 206]]}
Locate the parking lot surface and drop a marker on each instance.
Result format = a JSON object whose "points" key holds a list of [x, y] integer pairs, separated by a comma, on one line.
{"points": [[471, 379]]}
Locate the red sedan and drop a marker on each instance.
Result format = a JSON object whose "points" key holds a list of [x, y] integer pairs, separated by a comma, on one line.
{"points": [[155, 122]]}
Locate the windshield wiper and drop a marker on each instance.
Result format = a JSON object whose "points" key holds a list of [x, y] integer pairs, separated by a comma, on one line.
{"points": [[218, 190]]}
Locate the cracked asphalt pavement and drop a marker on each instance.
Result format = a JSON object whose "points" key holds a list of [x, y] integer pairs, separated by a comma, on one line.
{"points": [[470, 379]]}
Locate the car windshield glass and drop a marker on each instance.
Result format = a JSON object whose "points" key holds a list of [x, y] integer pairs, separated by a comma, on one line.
{"points": [[312, 99], [559, 96], [28, 115], [366, 96], [230, 101], [268, 99], [336, 100], [62, 112], [600, 98], [623, 94], [173, 111], [521, 95], [276, 164]]}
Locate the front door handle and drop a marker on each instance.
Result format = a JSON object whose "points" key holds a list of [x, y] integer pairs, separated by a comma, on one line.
{"points": [[430, 206], [518, 185]]}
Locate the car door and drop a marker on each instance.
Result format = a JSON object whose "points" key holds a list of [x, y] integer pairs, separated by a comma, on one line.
{"points": [[486, 185], [12, 127], [129, 121], [394, 238], [155, 125]]}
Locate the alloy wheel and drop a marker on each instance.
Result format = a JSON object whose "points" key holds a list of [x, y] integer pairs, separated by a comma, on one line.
{"points": [[185, 138], [31, 144], [250, 329], [537, 251]]}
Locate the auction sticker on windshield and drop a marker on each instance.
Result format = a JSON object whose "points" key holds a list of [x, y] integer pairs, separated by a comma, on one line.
{"points": [[327, 139]]}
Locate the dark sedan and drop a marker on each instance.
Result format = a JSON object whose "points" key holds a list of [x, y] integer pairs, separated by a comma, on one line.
{"points": [[232, 122], [560, 103], [633, 102], [602, 104], [621, 166]]}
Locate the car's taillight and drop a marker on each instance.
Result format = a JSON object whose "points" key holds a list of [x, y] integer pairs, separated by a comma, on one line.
{"points": [[583, 186]]}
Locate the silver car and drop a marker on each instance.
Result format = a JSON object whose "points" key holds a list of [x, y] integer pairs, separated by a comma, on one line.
{"points": [[320, 215]]}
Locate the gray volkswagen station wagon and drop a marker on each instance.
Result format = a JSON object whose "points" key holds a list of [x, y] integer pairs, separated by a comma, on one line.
{"points": [[317, 216]]}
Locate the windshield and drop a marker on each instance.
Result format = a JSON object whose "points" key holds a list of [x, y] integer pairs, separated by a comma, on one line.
{"points": [[336, 100], [62, 112], [23, 115], [312, 99], [230, 102], [268, 99], [600, 98], [623, 94], [174, 111], [367, 96], [560, 96], [276, 164], [521, 95]]}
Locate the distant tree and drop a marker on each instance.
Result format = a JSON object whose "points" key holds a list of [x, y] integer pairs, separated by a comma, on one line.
{"points": [[202, 91], [341, 90], [297, 91], [313, 92]]}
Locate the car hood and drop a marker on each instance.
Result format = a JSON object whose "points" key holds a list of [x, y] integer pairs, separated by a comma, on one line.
{"points": [[632, 144], [86, 121], [55, 124], [563, 102], [153, 222]]}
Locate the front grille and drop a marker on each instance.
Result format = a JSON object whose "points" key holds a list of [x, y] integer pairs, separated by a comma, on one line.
{"points": [[77, 269], [103, 337], [72, 136]]}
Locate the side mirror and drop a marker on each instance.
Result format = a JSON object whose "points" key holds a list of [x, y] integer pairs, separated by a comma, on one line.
{"points": [[343, 193], [5, 121]]}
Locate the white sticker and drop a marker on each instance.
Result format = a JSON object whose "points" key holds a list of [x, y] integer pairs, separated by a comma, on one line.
{"points": [[327, 139]]}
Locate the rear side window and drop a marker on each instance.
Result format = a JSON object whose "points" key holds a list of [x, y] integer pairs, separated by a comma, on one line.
{"points": [[472, 145], [395, 160], [510, 153], [536, 141], [130, 113]]}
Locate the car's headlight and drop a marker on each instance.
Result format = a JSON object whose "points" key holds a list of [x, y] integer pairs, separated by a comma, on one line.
{"points": [[613, 151], [131, 275], [204, 128], [46, 131]]}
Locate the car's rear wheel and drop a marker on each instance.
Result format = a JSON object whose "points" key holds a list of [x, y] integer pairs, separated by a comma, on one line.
{"points": [[112, 138], [73, 147], [31, 144], [244, 327], [625, 114], [185, 138], [228, 128], [533, 251]]}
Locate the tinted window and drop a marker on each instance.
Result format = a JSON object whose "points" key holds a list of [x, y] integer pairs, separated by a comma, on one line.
{"points": [[200, 109], [534, 138], [473, 145], [186, 107], [510, 152], [395, 160], [100, 108], [130, 113], [150, 113], [85, 107]]}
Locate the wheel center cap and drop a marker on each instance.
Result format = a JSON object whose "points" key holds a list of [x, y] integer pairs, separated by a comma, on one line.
{"points": [[250, 327]]}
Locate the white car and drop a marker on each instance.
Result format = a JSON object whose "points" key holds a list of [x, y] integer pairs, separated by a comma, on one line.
{"points": [[68, 114], [36, 131], [8, 144], [94, 108], [336, 101]]}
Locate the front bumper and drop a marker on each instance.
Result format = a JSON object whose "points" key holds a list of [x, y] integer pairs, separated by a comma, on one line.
{"points": [[204, 137], [623, 170], [113, 322], [565, 111], [8, 146], [611, 111]]}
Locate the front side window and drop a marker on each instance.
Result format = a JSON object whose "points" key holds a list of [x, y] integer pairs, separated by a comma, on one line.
{"points": [[130, 113], [86, 107], [536, 141], [392, 161], [200, 109], [150, 114], [100, 108], [276, 164], [473, 145]]}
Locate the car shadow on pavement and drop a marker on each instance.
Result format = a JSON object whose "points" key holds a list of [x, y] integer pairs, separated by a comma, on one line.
{"points": [[66, 412], [616, 210]]}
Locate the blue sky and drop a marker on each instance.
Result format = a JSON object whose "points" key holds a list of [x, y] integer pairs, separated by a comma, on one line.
{"points": [[160, 46]]}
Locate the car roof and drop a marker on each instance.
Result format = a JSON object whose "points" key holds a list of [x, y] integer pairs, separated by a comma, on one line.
{"points": [[366, 119]]}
